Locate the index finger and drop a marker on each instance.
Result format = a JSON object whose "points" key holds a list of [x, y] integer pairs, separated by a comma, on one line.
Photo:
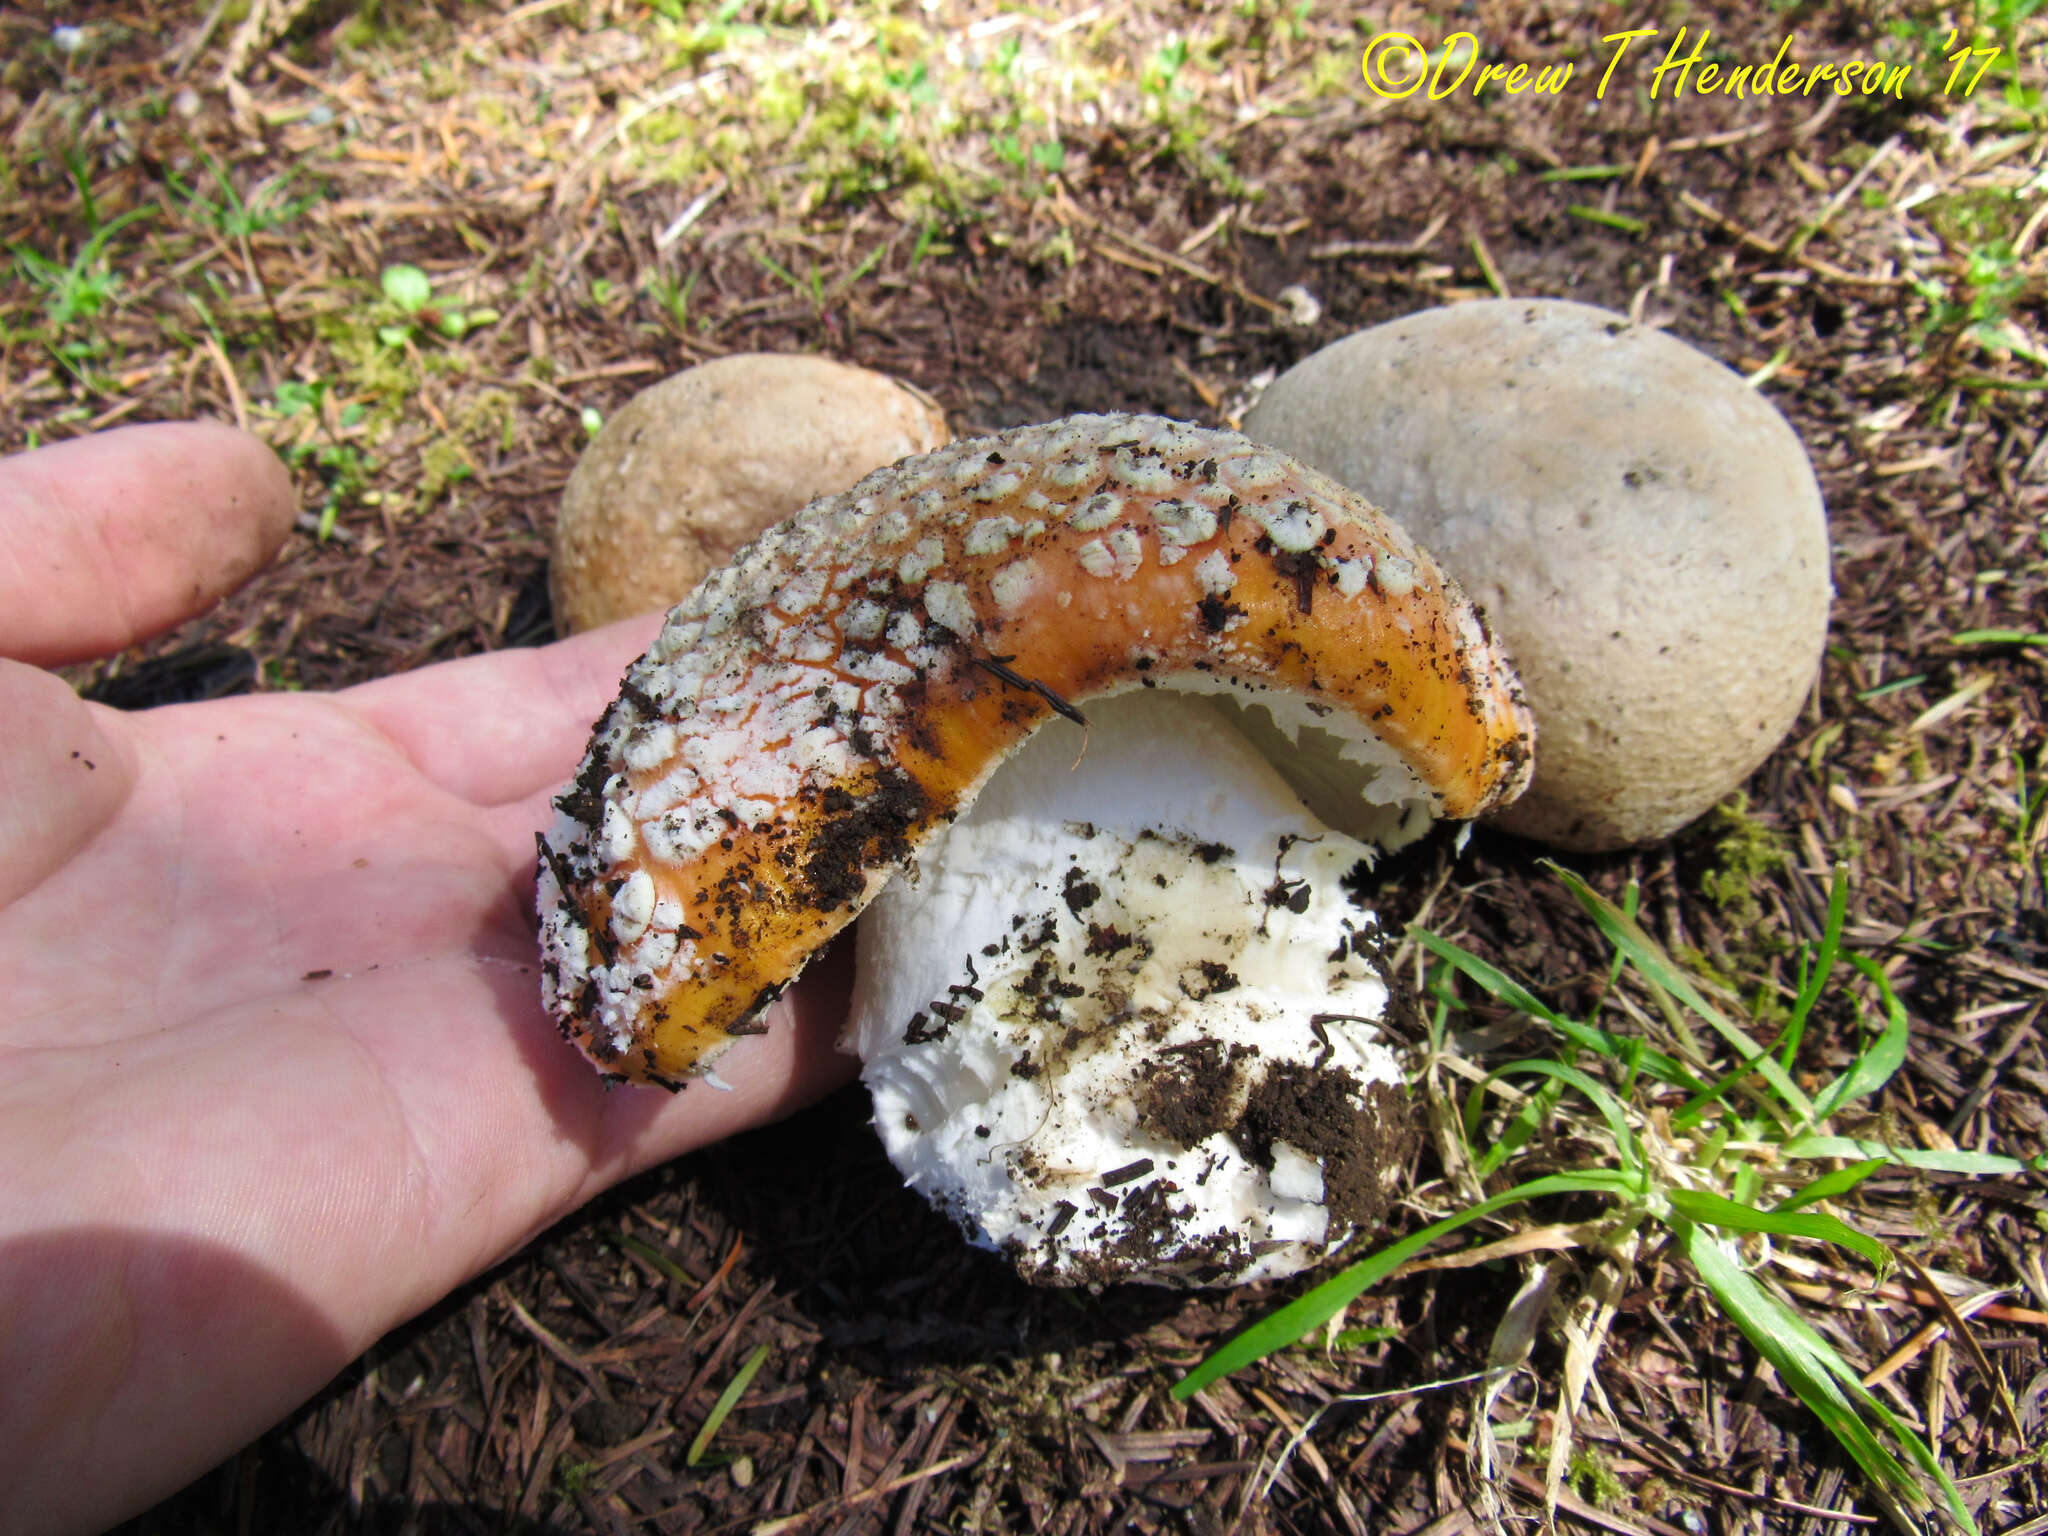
{"points": [[109, 539]]}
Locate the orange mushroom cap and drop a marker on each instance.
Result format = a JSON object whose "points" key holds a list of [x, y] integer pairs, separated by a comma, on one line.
{"points": [[817, 708]]}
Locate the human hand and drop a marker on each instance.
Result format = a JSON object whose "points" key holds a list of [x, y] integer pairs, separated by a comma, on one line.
{"points": [[274, 1074]]}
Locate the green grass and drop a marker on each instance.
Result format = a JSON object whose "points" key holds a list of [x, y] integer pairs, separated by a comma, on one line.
{"points": [[1973, 54], [1973, 306], [2030, 806], [219, 205], [727, 1401], [77, 294], [1626, 223], [1705, 1149]]}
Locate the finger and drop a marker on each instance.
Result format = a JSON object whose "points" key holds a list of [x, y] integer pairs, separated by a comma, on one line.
{"points": [[107, 540], [496, 728], [65, 769]]}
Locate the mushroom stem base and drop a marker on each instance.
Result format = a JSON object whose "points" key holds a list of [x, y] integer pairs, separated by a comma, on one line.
{"points": [[1119, 1023]]}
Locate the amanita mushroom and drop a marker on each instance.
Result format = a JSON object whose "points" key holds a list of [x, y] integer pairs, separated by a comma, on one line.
{"points": [[815, 715]]}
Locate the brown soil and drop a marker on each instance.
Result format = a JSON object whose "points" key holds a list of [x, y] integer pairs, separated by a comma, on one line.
{"points": [[911, 1384]]}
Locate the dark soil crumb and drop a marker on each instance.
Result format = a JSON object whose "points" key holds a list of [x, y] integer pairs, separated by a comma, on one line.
{"points": [[863, 834], [1191, 1091], [1106, 939], [1364, 1134], [1214, 978]]}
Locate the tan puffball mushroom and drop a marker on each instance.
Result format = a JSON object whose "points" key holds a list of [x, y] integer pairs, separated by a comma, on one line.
{"points": [[1144, 913], [1641, 528], [691, 468]]}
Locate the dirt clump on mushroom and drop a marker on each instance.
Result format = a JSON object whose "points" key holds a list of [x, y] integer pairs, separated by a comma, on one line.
{"points": [[1188, 1092], [1357, 1130]]}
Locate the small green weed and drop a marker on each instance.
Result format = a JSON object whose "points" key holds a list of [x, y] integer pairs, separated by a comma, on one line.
{"points": [[1707, 1153], [1977, 307], [1275, 19], [79, 291], [1162, 71], [342, 467], [706, 40], [280, 676], [812, 286], [672, 298], [1961, 57], [222, 207], [410, 292], [1049, 156], [82, 288], [912, 82], [2030, 818]]}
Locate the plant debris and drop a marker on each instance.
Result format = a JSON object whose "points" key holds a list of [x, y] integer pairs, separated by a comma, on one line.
{"points": [[1028, 214]]}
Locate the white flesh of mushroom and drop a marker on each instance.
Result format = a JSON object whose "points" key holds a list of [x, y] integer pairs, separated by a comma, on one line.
{"points": [[1109, 994]]}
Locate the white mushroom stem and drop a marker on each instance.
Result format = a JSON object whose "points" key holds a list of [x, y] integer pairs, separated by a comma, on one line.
{"points": [[1119, 1022]]}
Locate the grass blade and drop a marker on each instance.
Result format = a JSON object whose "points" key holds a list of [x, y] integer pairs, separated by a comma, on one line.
{"points": [[1309, 1311], [1609, 1107], [1816, 979], [1862, 1148], [1876, 1064], [1718, 1211], [656, 1257], [1516, 1134], [734, 1390], [1649, 958], [1820, 1377], [1504, 989], [1626, 223], [1830, 1186], [1999, 637], [1495, 983]]}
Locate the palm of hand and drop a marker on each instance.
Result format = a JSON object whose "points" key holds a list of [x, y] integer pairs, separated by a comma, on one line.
{"points": [[274, 1075]]}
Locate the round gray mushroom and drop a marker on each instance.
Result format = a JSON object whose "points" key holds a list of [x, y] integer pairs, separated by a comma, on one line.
{"points": [[1642, 529], [691, 468]]}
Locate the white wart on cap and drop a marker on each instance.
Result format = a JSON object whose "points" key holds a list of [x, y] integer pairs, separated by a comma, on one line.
{"points": [[1642, 529], [814, 714]]}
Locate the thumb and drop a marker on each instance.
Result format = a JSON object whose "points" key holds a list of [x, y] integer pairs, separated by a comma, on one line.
{"points": [[66, 767]]}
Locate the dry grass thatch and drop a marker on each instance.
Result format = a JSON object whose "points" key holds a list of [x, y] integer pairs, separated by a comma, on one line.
{"points": [[1026, 213]]}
